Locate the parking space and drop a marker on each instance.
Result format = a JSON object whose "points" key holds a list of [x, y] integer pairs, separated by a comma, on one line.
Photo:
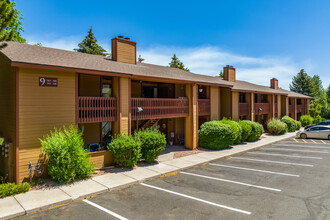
{"points": [[286, 180]]}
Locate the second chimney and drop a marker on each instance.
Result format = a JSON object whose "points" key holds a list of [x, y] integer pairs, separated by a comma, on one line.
{"points": [[274, 83], [229, 73], [123, 50]]}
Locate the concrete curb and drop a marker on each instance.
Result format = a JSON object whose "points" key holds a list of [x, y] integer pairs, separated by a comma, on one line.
{"points": [[32, 201]]}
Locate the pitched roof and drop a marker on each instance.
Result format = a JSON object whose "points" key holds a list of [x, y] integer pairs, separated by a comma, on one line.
{"points": [[30, 54]]}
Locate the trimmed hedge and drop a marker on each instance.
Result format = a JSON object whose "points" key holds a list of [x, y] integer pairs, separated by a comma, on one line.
{"points": [[237, 130], [276, 126], [67, 159], [256, 132], [10, 189], [153, 142], [246, 130], [126, 150], [292, 124], [215, 135], [306, 120]]}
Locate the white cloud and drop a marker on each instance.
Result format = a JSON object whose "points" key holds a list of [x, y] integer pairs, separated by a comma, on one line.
{"points": [[210, 61], [206, 60]]}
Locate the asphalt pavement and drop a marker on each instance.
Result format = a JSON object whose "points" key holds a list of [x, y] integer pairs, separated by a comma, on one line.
{"points": [[286, 180]]}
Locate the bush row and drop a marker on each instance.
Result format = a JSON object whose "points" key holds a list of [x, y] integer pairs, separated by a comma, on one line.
{"points": [[217, 135], [308, 120], [10, 189], [292, 124], [146, 144]]}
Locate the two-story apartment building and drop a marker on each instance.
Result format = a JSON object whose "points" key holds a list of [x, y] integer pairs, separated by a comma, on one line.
{"points": [[42, 88]]}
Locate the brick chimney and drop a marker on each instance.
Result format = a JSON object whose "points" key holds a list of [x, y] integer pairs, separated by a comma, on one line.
{"points": [[229, 73], [274, 83], [123, 50]]}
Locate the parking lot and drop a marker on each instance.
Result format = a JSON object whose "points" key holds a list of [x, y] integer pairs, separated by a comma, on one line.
{"points": [[286, 180]]}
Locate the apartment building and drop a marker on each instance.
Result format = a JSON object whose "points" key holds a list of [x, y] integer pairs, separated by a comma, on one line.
{"points": [[42, 88]]}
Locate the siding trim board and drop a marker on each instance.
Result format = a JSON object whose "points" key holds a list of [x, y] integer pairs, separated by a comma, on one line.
{"points": [[17, 124]]}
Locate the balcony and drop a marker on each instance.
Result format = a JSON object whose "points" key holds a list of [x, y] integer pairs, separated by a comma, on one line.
{"points": [[291, 109], [264, 106], [155, 108], [243, 109], [96, 109], [300, 108], [204, 107]]}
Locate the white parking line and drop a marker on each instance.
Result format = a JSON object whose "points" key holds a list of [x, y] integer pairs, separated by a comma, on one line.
{"points": [[250, 169], [296, 145], [307, 151], [230, 181], [197, 199], [105, 210], [271, 161], [283, 155]]}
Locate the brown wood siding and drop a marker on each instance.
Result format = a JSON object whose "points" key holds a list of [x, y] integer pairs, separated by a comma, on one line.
{"points": [[124, 51], [89, 85], [92, 133], [101, 159], [8, 116], [226, 107], [40, 110]]}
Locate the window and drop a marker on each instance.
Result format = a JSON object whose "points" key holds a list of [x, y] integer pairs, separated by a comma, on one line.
{"points": [[322, 123], [299, 102], [264, 99], [323, 128], [256, 98], [315, 129], [242, 98]]}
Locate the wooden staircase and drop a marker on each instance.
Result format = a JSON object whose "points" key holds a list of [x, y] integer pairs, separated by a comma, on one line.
{"points": [[149, 123]]}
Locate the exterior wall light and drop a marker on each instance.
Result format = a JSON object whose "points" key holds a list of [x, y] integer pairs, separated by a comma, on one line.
{"points": [[138, 110]]}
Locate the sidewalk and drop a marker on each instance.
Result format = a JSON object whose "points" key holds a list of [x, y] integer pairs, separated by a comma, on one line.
{"points": [[36, 200]]}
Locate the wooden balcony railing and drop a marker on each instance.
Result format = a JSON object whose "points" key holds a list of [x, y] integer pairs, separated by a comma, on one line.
{"points": [[291, 109], [96, 109], [204, 107], [243, 109], [264, 106], [301, 108], [154, 108]]}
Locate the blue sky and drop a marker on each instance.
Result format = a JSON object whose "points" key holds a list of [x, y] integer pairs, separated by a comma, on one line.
{"points": [[262, 39]]}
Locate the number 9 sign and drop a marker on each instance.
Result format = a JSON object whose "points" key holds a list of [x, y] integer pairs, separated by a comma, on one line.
{"points": [[42, 81]]}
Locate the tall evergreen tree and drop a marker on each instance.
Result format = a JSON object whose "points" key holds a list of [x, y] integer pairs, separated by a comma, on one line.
{"points": [[10, 23], [328, 94], [176, 63], [221, 74], [89, 45], [304, 84]]}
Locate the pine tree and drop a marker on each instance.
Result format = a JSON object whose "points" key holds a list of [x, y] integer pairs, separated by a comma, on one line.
{"points": [[304, 84], [10, 23], [328, 94], [176, 63], [140, 59], [89, 45]]}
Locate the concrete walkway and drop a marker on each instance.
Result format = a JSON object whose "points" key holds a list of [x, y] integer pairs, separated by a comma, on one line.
{"points": [[37, 200]]}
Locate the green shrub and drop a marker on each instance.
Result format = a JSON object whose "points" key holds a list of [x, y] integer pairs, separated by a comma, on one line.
{"points": [[10, 189], [215, 135], [285, 130], [153, 142], [317, 119], [67, 159], [1, 141], [306, 120], [237, 130], [256, 132], [276, 126], [246, 129], [290, 123], [126, 150]]}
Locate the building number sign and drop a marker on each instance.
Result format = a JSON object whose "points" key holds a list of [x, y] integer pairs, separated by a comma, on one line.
{"points": [[46, 81]]}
